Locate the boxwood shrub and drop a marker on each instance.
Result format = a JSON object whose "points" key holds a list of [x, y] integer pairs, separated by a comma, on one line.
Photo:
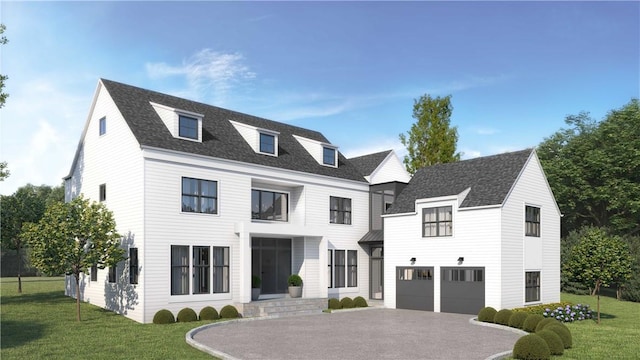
{"points": [[187, 315], [517, 319], [359, 301], [531, 347], [334, 304], [544, 322], [563, 332], [164, 316], [346, 302], [229, 312], [531, 322], [556, 346], [487, 314], [502, 317], [209, 313], [540, 309]]}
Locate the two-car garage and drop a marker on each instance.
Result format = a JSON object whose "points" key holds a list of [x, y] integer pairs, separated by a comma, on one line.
{"points": [[461, 289]]}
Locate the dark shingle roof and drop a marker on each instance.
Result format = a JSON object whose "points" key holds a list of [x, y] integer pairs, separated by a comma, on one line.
{"points": [[220, 139], [366, 164], [373, 236], [490, 179]]}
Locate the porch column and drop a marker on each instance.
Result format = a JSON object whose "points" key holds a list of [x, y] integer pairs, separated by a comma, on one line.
{"points": [[324, 281], [244, 250]]}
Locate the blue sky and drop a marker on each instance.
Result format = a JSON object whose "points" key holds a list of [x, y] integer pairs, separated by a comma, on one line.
{"points": [[348, 69]]}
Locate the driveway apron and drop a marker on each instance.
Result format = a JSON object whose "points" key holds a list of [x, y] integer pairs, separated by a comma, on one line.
{"points": [[368, 334]]}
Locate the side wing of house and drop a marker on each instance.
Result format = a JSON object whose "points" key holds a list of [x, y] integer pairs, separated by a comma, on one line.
{"points": [[530, 268], [390, 169], [108, 168]]}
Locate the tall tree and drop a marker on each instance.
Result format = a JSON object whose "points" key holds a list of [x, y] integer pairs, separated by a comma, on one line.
{"points": [[431, 139], [3, 95], [4, 171], [73, 236], [25, 205], [598, 260]]}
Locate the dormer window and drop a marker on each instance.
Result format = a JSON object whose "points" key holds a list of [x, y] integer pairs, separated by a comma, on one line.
{"points": [[262, 141], [267, 143], [329, 156], [188, 127]]}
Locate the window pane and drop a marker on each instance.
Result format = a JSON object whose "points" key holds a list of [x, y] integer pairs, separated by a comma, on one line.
{"points": [[255, 204], [189, 203], [330, 267], [353, 268], [208, 188], [208, 205], [188, 127], [201, 270], [329, 156], [266, 207], [179, 270], [267, 143], [429, 215], [133, 265], [340, 268]]}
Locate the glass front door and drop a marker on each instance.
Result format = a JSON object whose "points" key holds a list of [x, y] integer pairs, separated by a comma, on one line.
{"points": [[271, 261], [377, 272]]}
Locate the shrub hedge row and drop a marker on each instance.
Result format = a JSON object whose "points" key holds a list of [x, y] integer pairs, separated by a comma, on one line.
{"points": [[165, 316]]}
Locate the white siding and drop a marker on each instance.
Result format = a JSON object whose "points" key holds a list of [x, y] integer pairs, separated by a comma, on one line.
{"points": [[391, 169], [521, 253]]}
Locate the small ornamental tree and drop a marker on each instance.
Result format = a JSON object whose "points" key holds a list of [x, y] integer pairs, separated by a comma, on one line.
{"points": [[597, 260], [73, 236]]}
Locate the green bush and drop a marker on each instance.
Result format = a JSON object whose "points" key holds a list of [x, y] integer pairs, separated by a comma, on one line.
{"points": [[487, 314], [163, 316], [502, 317], [334, 304], [531, 322], [346, 302], [531, 347], [294, 280], [359, 301], [556, 346], [186, 315], [540, 309], [517, 319], [544, 322], [229, 312], [208, 313], [563, 332]]}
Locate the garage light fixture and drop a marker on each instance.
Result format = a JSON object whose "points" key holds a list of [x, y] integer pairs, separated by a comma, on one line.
{"points": [[413, 260], [460, 259]]}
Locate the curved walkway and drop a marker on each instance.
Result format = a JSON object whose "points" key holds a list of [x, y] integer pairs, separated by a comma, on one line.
{"points": [[369, 334]]}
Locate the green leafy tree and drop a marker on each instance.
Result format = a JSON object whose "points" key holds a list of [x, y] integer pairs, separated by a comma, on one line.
{"points": [[431, 140], [73, 236], [599, 259], [25, 205], [4, 171], [3, 95]]}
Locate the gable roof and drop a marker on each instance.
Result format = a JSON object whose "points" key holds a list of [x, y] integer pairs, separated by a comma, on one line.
{"points": [[489, 179], [219, 137], [367, 164]]}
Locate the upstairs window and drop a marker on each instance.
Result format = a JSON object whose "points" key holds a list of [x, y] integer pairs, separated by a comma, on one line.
{"points": [[103, 126], [437, 221], [199, 196], [112, 274], [339, 210], [94, 272], [133, 265], [329, 156], [267, 143], [532, 221], [188, 127], [269, 205], [103, 192]]}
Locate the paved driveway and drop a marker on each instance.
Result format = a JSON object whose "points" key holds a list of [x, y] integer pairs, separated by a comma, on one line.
{"points": [[367, 334]]}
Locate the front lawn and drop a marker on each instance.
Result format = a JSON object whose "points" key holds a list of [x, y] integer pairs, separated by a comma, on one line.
{"points": [[40, 323]]}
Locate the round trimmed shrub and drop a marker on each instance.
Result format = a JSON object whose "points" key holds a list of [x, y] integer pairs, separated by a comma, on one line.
{"points": [[487, 314], [209, 313], [563, 332], [334, 304], [346, 302], [186, 315], [359, 301], [163, 316], [229, 312], [502, 317], [517, 319], [531, 347], [531, 322], [544, 322], [556, 346]]}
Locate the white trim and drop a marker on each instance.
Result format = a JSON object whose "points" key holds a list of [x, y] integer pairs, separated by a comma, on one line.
{"points": [[176, 110]]}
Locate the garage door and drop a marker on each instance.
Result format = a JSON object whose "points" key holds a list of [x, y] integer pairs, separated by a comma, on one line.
{"points": [[414, 288], [462, 290]]}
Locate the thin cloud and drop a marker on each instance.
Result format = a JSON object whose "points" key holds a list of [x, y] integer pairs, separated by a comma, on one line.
{"points": [[376, 145], [486, 131]]}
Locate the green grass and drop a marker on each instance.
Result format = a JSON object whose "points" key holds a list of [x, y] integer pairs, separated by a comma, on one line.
{"points": [[41, 323]]}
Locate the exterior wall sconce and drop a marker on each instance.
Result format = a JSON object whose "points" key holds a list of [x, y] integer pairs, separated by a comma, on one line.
{"points": [[460, 260], [413, 260]]}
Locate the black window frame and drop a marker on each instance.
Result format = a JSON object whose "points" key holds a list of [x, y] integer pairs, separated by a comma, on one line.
{"points": [[201, 267], [340, 268], [532, 286], [220, 271], [352, 268], [198, 196], [438, 222], [531, 221], [133, 266], [102, 126], [180, 269], [102, 192], [113, 273], [94, 273], [264, 215], [185, 127], [271, 144], [329, 160], [340, 214], [330, 264]]}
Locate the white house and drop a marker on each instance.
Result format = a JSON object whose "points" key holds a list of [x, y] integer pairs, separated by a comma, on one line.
{"points": [[206, 198], [480, 232]]}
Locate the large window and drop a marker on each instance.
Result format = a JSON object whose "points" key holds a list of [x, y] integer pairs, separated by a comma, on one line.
{"points": [[339, 269], [269, 205], [133, 265], [339, 210], [267, 143], [329, 156], [352, 270], [532, 286], [208, 267], [200, 196], [330, 269], [532, 221], [437, 221], [188, 127]]}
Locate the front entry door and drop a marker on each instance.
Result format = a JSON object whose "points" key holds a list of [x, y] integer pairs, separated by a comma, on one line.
{"points": [[271, 261]]}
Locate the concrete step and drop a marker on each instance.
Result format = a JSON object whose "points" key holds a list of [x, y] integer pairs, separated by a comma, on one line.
{"points": [[284, 307]]}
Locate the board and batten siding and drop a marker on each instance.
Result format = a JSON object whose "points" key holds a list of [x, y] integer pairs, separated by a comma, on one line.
{"points": [[522, 253], [391, 169], [113, 159]]}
